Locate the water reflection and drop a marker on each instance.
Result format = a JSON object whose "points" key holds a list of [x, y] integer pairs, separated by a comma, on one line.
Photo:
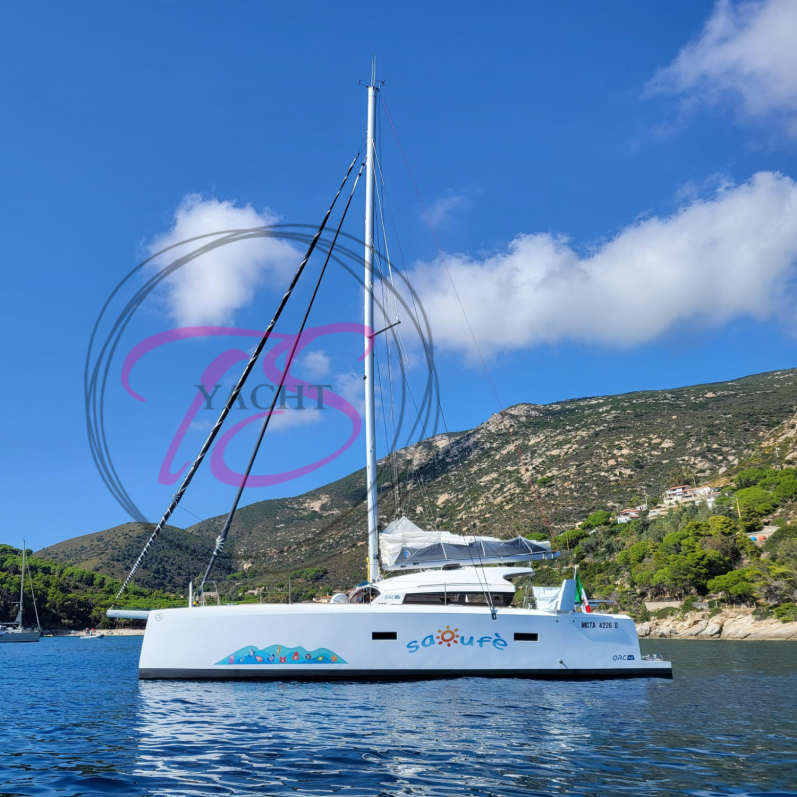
{"points": [[479, 736], [76, 721], [444, 737]]}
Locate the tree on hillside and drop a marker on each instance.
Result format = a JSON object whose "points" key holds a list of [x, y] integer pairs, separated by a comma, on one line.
{"points": [[677, 475], [596, 519]]}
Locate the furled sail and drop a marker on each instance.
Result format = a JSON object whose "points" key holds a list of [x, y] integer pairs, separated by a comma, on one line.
{"points": [[404, 546]]}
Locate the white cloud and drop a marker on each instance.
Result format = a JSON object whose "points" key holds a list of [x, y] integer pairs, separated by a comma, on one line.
{"points": [[211, 288], [202, 426], [314, 364], [290, 418], [349, 385], [747, 51], [730, 255], [442, 209]]}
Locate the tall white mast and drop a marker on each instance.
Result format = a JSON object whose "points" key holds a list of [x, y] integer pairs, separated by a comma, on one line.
{"points": [[21, 585], [370, 422]]}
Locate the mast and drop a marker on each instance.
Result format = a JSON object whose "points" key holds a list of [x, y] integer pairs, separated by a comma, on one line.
{"points": [[368, 320], [21, 586]]}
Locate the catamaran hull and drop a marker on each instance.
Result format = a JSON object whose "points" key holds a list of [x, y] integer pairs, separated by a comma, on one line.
{"points": [[371, 642]]}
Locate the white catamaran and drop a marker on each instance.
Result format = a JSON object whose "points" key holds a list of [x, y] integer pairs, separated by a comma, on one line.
{"points": [[16, 632], [447, 613]]}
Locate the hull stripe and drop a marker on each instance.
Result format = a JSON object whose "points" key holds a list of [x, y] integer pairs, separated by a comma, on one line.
{"points": [[272, 674]]}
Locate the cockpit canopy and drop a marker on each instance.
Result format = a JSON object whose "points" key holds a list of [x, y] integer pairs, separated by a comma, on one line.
{"points": [[404, 546]]}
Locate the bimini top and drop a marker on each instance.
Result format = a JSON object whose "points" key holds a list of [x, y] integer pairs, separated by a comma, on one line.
{"points": [[403, 546]]}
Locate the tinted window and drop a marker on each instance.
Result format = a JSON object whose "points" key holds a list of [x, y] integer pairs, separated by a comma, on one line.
{"points": [[458, 598]]}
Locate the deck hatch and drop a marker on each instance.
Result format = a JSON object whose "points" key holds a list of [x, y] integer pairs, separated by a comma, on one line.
{"points": [[519, 637], [384, 635]]}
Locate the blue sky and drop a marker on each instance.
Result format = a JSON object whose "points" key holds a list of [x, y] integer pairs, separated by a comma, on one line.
{"points": [[590, 170]]}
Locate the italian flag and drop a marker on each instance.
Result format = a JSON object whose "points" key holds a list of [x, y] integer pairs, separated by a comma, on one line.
{"points": [[581, 596]]}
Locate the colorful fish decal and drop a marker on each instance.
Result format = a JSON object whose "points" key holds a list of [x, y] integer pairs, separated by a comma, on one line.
{"points": [[281, 654]]}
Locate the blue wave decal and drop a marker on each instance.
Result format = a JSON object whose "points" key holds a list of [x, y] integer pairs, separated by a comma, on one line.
{"points": [[280, 654]]}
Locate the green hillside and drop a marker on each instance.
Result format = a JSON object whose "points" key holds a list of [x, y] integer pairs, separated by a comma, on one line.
{"points": [[66, 597], [170, 565], [694, 551], [584, 454]]}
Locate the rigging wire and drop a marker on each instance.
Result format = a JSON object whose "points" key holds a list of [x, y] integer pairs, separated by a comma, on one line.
{"points": [[33, 596], [191, 513], [405, 381], [220, 540], [467, 321], [465, 471], [466, 493], [435, 388], [234, 393], [394, 468], [385, 306], [386, 324]]}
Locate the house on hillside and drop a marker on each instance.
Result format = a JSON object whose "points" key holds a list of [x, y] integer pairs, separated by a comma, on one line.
{"points": [[675, 495], [627, 515], [686, 494]]}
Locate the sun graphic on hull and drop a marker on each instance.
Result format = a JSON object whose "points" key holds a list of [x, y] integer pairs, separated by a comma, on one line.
{"points": [[447, 637]]}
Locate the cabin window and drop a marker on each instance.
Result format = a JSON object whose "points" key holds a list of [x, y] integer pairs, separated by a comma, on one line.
{"points": [[527, 637], [425, 597], [384, 635], [458, 598], [499, 598]]}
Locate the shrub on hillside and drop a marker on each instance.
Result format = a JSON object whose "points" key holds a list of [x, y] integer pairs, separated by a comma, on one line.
{"points": [[310, 573], [758, 499], [787, 489], [786, 612], [750, 477], [538, 536], [570, 539], [666, 611], [596, 519], [735, 585]]}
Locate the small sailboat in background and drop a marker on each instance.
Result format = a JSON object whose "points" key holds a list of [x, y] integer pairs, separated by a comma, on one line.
{"points": [[16, 632]]}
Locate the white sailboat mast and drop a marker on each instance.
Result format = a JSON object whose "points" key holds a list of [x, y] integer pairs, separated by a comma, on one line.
{"points": [[21, 585], [370, 422]]}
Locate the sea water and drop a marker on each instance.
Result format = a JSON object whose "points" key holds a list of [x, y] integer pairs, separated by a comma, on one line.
{"points": [[75, 720]]}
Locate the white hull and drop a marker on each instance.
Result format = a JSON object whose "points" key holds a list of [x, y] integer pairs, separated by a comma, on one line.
{"points": [[20, 636], [345, 642]]}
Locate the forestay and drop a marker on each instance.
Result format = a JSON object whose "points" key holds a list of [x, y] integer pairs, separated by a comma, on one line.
{"points": [[402, 545]]}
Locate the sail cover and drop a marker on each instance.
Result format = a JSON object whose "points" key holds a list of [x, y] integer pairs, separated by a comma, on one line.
{"points": [[404, 546]]}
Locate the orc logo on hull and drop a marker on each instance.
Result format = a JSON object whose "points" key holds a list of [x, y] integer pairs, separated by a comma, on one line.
{"points": [[623, 657]]}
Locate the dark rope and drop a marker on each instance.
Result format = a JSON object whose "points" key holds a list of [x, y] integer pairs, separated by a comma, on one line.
{"points": [[234, 394], [221, 539]]}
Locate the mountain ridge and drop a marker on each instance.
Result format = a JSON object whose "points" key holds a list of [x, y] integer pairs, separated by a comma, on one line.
{"points": [[581, 454]]}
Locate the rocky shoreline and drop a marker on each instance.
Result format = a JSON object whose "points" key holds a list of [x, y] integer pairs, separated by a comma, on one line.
{"points": [[728, 624]]}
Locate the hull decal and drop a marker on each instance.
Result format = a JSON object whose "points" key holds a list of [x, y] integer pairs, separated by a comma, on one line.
{"points": [[281, 654]]}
